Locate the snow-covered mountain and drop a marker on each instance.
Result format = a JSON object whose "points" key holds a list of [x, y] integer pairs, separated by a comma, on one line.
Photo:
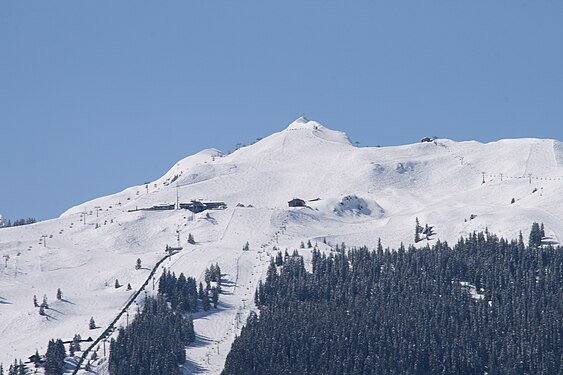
{"points": [[352, 195]]}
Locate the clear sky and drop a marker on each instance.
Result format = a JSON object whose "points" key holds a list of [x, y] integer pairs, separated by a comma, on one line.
{"points": [[96, 96]]}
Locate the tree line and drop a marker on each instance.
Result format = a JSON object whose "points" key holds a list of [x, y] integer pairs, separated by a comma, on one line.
{"points": [[17, 222]]}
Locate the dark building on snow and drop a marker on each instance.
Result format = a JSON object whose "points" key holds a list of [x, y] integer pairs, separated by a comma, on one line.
{"points": [[296, 202]]}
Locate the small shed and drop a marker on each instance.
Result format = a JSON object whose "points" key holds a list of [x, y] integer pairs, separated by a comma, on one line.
{"points": [[296, 202]]}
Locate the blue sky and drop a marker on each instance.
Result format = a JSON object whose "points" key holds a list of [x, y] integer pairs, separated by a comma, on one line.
{"points": [[96, 96]]}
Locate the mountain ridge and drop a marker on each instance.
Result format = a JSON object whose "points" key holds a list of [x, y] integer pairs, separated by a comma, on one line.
{"points": [[354, 195]]}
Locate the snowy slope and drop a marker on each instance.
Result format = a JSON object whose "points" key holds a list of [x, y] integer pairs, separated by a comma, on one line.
{"points": [[353, 195]]}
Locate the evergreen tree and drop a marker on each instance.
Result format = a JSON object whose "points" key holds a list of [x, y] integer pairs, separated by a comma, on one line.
{"points": [[200, 291], [138, 265], [279, 259], [535, 236], [417, 230], [36, 359], [45, 304], [117, 285], [35, 304], [76, 342], [191, 239], [92, 324], [59, 294], [542, 230]]}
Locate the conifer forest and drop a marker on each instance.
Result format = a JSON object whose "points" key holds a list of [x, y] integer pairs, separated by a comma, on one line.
{"points": [[483, 306]]}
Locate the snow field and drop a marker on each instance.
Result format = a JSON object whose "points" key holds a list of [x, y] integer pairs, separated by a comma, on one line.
{"points": [[364, 194]]}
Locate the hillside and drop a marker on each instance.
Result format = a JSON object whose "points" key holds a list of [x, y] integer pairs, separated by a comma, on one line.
{"points": [[352, 195]]}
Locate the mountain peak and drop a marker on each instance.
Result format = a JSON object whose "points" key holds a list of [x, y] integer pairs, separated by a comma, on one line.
{"points": [[304, 123]]}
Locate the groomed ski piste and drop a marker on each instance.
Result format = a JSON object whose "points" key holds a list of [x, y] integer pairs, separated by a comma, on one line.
{"points": [[351, 195]]}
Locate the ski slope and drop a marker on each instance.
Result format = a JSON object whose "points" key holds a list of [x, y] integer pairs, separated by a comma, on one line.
{"points": [[353, 195]]}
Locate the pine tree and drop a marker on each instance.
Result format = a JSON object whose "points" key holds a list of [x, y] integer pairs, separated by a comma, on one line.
{"points": [[542, 230], [200, 291], [217, 273], [117, 285], [59, 294], [45, 304], [129, 286], [138, 265], [35, 303], [417, 230], [279, 259], [191, 239], [36, 359], [92, 324], [76, 342], [535, 236]]}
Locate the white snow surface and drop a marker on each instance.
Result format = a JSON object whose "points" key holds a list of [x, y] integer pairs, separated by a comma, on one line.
{"points": [[353, 195]]}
